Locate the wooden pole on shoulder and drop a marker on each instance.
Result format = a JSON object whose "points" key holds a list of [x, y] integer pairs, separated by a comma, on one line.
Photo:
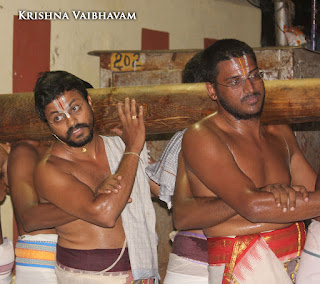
{"points": [[167, 108]]}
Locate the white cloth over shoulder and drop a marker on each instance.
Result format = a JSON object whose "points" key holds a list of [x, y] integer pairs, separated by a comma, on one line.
{"points": [[164, 171], [309, 267], [138, 217]]}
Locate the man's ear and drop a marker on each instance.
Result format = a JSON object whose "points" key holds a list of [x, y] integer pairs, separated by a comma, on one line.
{"points": [[89, 101], [211, 91]]}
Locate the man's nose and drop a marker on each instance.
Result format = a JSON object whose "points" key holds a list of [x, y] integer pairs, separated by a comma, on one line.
{"points": [[71, 120], [247, 85]]}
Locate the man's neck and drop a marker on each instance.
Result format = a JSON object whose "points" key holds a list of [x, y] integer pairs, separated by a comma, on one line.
{"points": [[87, 151], [242, 126]]}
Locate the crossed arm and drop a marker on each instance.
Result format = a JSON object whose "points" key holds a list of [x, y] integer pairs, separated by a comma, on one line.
{"points": [[32, 214], [254, 204], [79, 200]]}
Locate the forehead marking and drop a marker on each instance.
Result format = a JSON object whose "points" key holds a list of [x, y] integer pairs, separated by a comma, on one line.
{"points": [[63, 107], [243, 71], [235, 65], [246, 61]]}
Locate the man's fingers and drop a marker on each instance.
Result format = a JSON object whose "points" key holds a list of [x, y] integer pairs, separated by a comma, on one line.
{"points": [[121, 114], [127, 111], [303, 191], [283, 197], [291, 197], [141, 120], [134, 117], [276, 194]]}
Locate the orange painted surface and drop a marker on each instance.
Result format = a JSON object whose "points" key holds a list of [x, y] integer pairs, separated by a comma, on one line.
{"points": [[154, 40], [31, 52]]}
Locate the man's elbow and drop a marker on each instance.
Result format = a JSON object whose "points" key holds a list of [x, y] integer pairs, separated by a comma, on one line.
{"points": [[180, 221], [103, 218], [29, 225]]}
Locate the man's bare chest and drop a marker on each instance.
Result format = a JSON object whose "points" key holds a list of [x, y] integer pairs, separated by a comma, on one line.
{"points": [[263, 164], [91, 173]]}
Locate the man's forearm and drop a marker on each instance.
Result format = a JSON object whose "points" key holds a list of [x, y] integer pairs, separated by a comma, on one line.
{"points": [[264, 209], [114, 203], [44, 216], [203, 212]]}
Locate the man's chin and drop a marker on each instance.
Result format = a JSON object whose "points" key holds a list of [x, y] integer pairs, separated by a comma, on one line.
{"points": [[80, 143]]}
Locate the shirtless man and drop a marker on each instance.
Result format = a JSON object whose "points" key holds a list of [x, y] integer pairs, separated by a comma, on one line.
{"points": [[6, 247], [36, 221], [231, 155], [188, 260], [73, 175]]}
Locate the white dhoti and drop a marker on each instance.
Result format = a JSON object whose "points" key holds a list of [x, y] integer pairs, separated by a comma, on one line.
{"points": [[183, 271], [264, 258], [188, 262], [35, 258], [6, 261], [309, 269], [71, 276]]}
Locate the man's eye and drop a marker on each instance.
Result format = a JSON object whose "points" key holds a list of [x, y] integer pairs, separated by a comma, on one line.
{"points": [[255, 76], [58, 118], [75, 108], [235, 82]]}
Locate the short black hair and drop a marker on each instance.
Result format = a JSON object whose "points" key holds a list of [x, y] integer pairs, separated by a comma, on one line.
{"points": [[53, 84], [192, 72], [222, 50]]}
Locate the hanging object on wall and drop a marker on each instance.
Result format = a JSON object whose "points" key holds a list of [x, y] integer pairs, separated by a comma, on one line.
{"points": [[283, 17], [295, 36]]}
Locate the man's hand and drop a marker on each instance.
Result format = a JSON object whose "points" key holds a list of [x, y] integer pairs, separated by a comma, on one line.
{"points": [[133, 133], [285, 195], [111, 184]]}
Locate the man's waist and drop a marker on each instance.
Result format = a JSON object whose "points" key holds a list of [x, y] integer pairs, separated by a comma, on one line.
{"points": [[191, 246], [36, 250], [283, 242], [238, 226], [93, 260]]}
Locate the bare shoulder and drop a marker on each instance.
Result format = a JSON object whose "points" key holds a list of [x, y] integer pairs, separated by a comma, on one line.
{"points": [[202, 132], [50, 169], [279, 129], [51, 163], [205, 140], [26, 147], [22, 148], [283, 132]]}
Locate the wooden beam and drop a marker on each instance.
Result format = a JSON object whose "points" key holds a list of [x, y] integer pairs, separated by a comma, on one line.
{"points": [[168, 108]]}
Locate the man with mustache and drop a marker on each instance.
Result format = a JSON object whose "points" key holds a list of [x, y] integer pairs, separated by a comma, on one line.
{"points": [[232, 156], [36, 221], [111, 241]]}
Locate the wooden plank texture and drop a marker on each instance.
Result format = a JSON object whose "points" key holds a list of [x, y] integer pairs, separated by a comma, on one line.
{"points": [[167, 108]]}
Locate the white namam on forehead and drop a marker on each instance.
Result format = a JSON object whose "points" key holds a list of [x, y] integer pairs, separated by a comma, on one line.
{"points": [[62, 106], [240, 66]]}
